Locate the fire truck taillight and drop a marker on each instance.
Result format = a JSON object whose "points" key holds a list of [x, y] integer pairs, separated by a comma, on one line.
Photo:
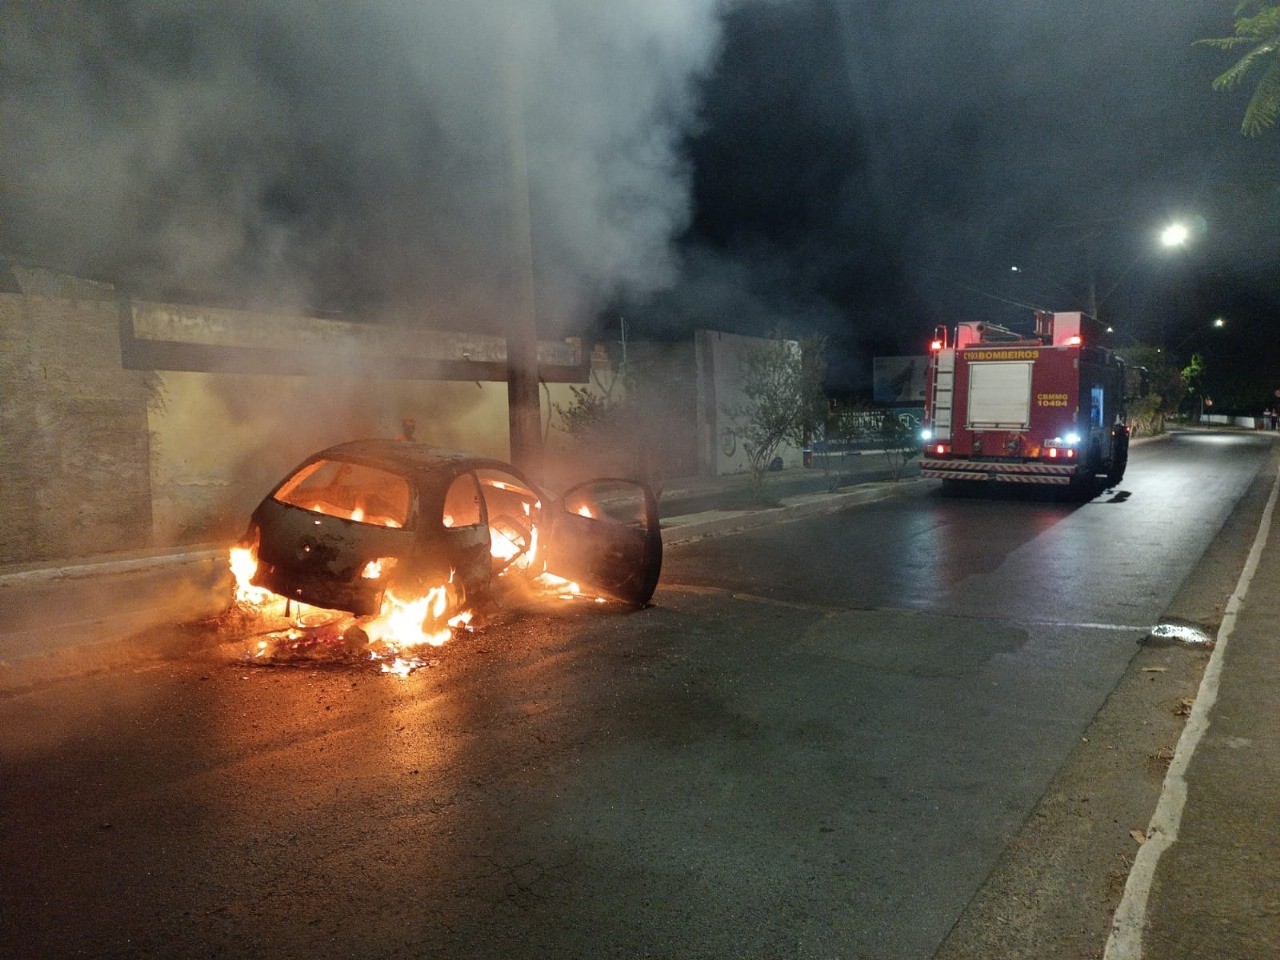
{"points": [[935, 345], [940, 449], [1062, 447], [1074, 341]]}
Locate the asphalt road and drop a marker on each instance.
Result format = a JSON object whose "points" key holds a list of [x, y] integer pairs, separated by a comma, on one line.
{"points": [[816, 743]]}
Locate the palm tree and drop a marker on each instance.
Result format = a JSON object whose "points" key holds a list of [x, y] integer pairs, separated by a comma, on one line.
{"points": [[1261, 34]]}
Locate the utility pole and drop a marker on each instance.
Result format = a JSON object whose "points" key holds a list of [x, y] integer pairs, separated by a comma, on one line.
{"points": [[1093, 280], [524, 412]]}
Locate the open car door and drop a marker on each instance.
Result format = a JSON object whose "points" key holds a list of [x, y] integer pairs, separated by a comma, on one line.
{"points": [[605, 536]]}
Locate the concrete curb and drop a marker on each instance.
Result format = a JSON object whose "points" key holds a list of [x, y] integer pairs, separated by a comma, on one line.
{"points": [[713, 523], [111, 565]]}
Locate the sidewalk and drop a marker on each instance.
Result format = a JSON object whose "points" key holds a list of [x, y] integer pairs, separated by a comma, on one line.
{"points": [[60, 619], [695, 507], [1206, 883]]}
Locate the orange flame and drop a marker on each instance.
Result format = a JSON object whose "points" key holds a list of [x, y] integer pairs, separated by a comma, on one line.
{"points": [[405, 624], [502, 546], [566, 589], [375, 568], [244, 564]]}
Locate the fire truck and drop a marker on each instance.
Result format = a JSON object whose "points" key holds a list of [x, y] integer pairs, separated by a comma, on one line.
{"points": [[1005, 407]]}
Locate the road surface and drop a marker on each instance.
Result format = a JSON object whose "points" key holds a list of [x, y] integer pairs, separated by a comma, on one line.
{"points": [[816, 743]]}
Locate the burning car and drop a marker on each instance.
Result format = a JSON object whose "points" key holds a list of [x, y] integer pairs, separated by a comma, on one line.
{"points": [[401, 531]]}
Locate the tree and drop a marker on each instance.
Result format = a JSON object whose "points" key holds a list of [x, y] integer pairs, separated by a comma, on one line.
{"points": [[1260, 33], [846, 426], [1193, 379], [782, 400], [611, 428], [855, 423], [900, 442], [1165, 389]]}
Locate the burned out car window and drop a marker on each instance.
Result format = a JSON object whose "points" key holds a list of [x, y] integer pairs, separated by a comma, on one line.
{"points": [[350, 491], [515, 512], [462, 503], [619, 501]]}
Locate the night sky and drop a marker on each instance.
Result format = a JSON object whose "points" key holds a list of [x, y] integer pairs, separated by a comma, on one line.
{"points": [[858, 170]]}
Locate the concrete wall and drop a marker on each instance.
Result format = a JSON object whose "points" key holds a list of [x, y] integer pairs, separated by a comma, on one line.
{"points": [[74, 460], [1254, 423], [720, 361], [666, 375], [96, 458]]}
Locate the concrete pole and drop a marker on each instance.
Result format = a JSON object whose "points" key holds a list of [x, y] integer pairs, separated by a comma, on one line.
{"points": [[524, 412], [1093, 280]]}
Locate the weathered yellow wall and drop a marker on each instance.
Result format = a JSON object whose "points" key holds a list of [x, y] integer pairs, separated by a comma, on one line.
{"points": [[221, 441], [73, 432]]}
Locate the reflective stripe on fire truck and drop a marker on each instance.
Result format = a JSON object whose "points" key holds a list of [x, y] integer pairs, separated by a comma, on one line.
{"points": [[966, 469]]}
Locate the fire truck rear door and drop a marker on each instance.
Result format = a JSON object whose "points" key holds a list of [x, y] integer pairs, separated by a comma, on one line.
{"points": [[999, 395]]}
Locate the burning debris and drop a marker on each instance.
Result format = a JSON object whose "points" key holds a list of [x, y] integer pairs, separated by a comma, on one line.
{"points": [[397, 639], [381, 551]]}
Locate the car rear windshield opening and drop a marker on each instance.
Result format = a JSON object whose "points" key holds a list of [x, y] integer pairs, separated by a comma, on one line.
{"points": [[350, 491]]}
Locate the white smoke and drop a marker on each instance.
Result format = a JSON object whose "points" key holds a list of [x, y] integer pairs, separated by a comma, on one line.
{"points": [[354, 154]]}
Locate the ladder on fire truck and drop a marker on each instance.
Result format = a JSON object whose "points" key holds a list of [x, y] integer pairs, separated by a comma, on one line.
{"points": [[944, 367], [944, 363]]}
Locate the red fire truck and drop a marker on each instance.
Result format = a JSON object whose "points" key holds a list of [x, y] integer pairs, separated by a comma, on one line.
{"points": [[1005, 407]]}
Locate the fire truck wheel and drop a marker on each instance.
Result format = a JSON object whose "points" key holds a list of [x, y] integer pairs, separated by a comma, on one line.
{"points": [[1119, 462], [1083, 488]]}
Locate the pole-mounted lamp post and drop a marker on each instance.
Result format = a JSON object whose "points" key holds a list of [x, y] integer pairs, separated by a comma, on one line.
{"points": [[1217, 324], [1174, 235]]}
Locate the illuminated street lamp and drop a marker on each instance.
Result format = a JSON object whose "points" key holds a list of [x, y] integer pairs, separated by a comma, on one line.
{"points": [[1174, 235], [1217, 324]]}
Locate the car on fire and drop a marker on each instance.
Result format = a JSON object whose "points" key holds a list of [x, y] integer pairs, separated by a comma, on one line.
{"points": [[362, 519]]}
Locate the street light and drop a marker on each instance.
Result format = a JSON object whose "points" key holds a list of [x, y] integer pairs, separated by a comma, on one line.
{"points": [[1217, 324], [1174, 235]]}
